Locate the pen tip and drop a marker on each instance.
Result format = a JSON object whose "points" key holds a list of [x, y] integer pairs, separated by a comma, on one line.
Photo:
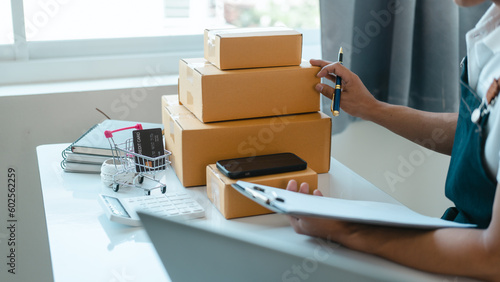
{"points": [[341, 50]]}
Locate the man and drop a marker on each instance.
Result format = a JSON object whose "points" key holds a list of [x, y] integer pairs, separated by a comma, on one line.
{"points": [[472, 137]]}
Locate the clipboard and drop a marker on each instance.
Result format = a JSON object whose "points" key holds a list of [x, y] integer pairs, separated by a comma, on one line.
{"points": [[366, 212]]}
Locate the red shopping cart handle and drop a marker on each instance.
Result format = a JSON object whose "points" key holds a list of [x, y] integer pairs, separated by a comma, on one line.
{"points": [[109, 133]]}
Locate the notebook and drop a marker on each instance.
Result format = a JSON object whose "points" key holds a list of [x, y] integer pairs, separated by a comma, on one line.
{"points": [[89, 151], [95, 143], [191, 252], [73, 162], [367, 212]]}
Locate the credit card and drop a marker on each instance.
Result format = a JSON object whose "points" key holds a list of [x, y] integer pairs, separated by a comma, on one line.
{"points": [[149, 143]]}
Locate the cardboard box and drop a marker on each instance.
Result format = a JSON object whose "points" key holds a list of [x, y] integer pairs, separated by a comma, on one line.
{"points": [[238, 48], [194, 144], [232, 203], [215, 95]]}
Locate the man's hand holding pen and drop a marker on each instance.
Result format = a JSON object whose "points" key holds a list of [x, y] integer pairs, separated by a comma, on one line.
{"points": [[356, 100], [335, 107]]}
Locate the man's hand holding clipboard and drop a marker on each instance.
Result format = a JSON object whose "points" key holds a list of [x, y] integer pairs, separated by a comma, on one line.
{"points": [[366, 212]]}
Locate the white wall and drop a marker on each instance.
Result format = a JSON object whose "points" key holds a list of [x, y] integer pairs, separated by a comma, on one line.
{"points": [[29, 119], [408, 172]]}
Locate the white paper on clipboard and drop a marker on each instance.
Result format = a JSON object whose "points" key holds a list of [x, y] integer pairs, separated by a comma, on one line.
{"points": [[376, 213]]}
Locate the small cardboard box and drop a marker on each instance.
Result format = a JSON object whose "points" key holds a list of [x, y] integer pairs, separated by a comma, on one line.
{"points": [[194, 144], [238, 48], [232, 203], [215, 95]]}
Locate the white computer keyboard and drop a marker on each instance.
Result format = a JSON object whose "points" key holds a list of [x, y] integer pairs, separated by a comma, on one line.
{"points": [[177, 205]]}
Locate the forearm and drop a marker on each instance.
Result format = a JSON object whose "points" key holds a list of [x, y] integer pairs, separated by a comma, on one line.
{"points": [[461, 252], [434, 131], [455, 251]]}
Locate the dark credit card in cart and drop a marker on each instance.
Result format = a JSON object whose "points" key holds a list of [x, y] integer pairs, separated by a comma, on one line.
{"points": [[148, 143]]}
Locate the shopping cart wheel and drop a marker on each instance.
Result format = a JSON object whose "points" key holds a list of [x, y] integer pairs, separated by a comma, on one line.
{"points": [[163, 189], [116, 187], [141, 179], [147, 192]]}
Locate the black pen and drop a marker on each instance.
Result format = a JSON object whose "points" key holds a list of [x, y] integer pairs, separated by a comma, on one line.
{"points": [[335, 107]]}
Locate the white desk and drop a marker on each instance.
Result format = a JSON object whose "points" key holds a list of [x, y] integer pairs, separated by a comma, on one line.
{"points": [[85, 246]]}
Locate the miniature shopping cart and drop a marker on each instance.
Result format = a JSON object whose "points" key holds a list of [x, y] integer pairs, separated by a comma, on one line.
{"points": [[132, 168]]}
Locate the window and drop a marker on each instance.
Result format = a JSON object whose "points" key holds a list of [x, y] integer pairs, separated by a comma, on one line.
{"points": [[87, 19], [6, 33], [91, 39]]}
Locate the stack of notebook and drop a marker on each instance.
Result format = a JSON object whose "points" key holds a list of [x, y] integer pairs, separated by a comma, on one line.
{"points": [[89, 151]]}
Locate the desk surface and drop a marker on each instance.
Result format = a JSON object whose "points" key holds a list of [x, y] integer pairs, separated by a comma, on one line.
{"points": [[85, 246]]}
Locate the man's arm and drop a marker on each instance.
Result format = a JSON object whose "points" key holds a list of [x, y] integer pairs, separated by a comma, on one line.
{"points": [[434, 131], [454, 251]]}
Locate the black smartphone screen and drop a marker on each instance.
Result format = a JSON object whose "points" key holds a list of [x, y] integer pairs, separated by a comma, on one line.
{"points": [[261, 165]]}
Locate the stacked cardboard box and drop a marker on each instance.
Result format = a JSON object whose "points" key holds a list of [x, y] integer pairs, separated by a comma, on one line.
{"points": [[232, 203], [251, 95], [214, 95]]}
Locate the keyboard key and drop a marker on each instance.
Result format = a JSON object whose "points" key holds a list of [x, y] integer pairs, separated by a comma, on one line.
{"points": [[177, 204]]}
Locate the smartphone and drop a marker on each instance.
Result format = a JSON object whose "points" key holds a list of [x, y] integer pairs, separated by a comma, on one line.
{"points": [[261, 165]]}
